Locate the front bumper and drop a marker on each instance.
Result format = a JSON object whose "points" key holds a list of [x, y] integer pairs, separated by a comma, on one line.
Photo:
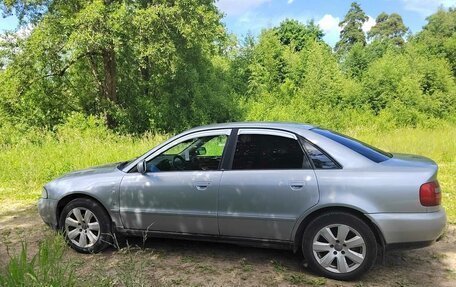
{"points": [[410, 228], [47, 209]]}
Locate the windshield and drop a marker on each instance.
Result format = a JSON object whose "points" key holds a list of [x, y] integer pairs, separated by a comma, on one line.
{"points": [[375, 154]]}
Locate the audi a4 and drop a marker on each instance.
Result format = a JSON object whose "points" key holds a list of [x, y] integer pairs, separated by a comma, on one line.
{"points": [[339, 201]]}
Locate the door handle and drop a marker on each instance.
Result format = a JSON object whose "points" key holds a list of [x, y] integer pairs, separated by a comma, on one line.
{"points": [[297, 185], [202, 185]]}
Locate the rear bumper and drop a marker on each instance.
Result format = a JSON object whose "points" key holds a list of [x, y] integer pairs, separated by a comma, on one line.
{"points": [[414, 229], [47, 209]]}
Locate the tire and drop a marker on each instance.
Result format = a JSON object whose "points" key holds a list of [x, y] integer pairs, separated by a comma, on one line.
{"points": [[339, 246], [85, 225]]}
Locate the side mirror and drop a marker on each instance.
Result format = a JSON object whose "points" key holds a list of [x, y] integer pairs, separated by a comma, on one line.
{"points": [[201, 151], [142, 168]]}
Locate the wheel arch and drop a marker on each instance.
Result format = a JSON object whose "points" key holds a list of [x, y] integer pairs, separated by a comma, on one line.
{"points": [[68, 198], [297, 240]]}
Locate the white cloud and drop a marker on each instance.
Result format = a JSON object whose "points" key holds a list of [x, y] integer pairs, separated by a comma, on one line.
{"points": [[238, 7], [329, 23], [290, 1], [427, 7], [368, 24], [330, 26]]}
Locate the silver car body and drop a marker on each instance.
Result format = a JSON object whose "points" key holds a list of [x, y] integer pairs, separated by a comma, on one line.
{"points": [[260, 205]]}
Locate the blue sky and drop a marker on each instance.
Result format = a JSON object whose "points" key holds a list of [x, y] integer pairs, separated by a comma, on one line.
{"points": [[242, 16]]}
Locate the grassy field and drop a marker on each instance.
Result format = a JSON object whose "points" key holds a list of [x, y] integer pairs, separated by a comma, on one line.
{"points": [[27, 166]]}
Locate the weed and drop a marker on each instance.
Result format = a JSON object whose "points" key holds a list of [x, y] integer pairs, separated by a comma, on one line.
{"points": [[189, 259], [45, 268], [133, 272], [299, 278], [205, 268], [278, 267], [245, 266], [177, 281], [439, 256]]}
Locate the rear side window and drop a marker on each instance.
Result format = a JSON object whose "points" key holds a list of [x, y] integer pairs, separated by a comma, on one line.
{"points": [[372, 153], [255, 151], [319, 158]]}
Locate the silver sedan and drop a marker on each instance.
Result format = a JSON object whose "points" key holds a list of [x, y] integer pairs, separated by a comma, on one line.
{"points": [[337, 200]]}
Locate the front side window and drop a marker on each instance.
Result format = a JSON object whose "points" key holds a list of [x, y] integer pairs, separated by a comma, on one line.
{"points": [[200, 153], [256, 151]]}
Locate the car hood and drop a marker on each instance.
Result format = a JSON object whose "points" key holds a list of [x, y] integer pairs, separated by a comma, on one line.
{"points": [[410, 160], [102, 169], [99, 181]]}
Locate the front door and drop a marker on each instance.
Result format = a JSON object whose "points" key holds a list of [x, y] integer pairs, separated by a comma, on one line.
{"points": [[179, 191]]}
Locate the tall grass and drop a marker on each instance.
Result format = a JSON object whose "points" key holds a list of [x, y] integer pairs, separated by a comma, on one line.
{"points": [[81, 143], [45, 268], [26, 166]]}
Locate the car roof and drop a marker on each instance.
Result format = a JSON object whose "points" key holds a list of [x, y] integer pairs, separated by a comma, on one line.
{"points": [[273, 125]]}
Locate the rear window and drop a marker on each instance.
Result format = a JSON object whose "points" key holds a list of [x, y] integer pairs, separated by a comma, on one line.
{"points": [[372, 153]]}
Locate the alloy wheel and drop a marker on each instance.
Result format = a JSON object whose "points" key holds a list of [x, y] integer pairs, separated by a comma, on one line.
{"points": [[339, 248], [82, 227]]}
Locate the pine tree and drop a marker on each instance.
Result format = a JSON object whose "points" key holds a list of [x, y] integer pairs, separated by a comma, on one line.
{"points": [[352, 31], [389, 28]]}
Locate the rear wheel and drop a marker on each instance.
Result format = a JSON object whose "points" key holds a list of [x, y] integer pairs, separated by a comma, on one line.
{"points": [[85, 225], [339, 246]]}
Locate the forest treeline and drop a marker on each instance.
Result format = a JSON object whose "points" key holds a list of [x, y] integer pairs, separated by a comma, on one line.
{"points": [[166, 65]]}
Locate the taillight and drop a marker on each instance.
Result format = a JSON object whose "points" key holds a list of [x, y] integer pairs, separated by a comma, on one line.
{"points": [[430, 194]]}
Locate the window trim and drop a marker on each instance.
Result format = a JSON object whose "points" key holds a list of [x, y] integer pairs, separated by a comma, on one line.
{"points": [[264, 131], [269, 132]]}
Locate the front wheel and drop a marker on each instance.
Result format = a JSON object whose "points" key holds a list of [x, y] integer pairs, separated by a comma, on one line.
{"points": [[85, 225], [339, 245]]}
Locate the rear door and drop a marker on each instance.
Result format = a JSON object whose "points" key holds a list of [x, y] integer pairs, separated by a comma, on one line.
{"points": [[269, 185]]}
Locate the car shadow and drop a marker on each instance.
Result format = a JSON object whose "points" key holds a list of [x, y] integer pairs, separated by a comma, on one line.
{"points": [[429, 266]]}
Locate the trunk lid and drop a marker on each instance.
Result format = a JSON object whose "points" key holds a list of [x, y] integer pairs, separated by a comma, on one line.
{"points": [[411, 160]]}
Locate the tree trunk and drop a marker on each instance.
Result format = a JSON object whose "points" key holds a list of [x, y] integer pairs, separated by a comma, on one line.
{"points": [[145, 73], [110, 81]]}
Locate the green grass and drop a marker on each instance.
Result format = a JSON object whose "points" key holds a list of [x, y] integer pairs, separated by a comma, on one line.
{"points": [[25, 167], [45, 268]]}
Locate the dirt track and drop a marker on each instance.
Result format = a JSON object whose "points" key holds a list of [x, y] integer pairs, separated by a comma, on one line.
{"points": [[188, 263]]}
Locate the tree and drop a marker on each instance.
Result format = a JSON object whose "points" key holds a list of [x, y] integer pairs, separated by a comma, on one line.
{"points": [[438, 36], [137, 62], [356, 61], [411, 85], [352, 29], [292, 32], [389, 28]]}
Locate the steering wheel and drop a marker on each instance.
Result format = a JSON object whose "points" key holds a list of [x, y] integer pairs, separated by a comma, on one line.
{"points": [[178, 162]]}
